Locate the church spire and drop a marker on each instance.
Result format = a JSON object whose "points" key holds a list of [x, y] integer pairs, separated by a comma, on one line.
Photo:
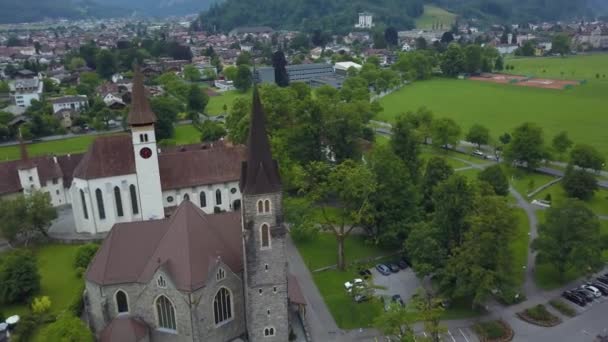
{"points": [[140, 114], [260, 173]]}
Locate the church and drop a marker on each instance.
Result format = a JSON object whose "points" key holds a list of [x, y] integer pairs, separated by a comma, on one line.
{"points": [[191, 274]]}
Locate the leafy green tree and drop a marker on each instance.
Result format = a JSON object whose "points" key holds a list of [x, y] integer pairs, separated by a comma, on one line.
{"points": [[560, 44], [244, 58], [197, 99], [343, 128], [405, 144], [4, 88], [280, 72], [479, 135], [499, 64], [505, 138], [445, 131], [26, 217], [495, 176], [453, 200], [472, 58], [191, 73], [166, 109], [579, 183], [569, 239], [230, 72], [437, 171], [67, 328], [429, 310], [349, 184], [527, 49], [587, 157], [237, 122], [212, 131], [415, 65], [397, 322], [19, 278], [453, 60], [106, 63], [425, 249], [561, 142], [298, 212], [85, 254], [526, 146], [244, 79]]}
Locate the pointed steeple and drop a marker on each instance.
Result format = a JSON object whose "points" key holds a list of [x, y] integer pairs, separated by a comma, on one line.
{"points": [[260, 173], [140, 114]]}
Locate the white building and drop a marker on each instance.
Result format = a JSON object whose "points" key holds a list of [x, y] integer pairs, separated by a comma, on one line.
{"points": [[365, 20], [75, 103], [23, 91]]}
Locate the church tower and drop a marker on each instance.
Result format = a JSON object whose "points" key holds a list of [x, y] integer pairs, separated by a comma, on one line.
{"points": [[264, 236], [141, 120]]}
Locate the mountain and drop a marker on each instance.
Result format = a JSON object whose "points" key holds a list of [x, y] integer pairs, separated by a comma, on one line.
{"points": [[18, 11], [162, 7]]}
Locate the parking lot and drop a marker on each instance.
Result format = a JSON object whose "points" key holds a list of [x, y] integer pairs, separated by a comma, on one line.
{"points": [[455, 335], [404, 283]]}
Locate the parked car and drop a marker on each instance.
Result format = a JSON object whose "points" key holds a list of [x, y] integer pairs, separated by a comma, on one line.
{"points": [[357, 282], [585, 294], [600, 286], [596, 293], [393, 267], [402, 264], [579, 296], [397, 299], [480, 154], [365, 273], [361, 298], [574, 298], [603, 280], [383, 269]]}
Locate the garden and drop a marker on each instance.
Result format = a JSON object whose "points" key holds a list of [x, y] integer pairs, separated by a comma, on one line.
{"points": [[539, 315], [491, 331]]}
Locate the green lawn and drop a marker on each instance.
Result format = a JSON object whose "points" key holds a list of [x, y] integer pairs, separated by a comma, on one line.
{"points": [[347, 313], [580, 67], [58, 147], [187, 134], [599, 202], [470, 173], [323, 251], [581, 111], [434, 15], [57, 277], [216, 103], [519, 246], [525, 182]]}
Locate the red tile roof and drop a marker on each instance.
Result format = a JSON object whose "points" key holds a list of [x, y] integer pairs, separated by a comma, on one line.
{"points": [[108, 156], [186, 246]]}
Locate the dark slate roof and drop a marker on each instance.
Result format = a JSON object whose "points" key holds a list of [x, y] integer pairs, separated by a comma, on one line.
{"points": [[141, 113], [69, 99], [124, 329], [108, 156], [187, 245], [260, 173]]}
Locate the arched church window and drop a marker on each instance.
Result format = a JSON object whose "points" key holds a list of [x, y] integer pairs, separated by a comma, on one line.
{"points": [[218, 197], [122, 303], [267, 206], [203, 199], [161, 282], [85, 212], [269, 331], [222, 306], [265, 233], [118, 200], [134, 205], [186, 197], [260, 206], [165, 313], [221, 274], [100, 207]]}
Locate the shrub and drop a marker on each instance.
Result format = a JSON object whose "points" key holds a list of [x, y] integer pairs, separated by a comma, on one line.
{"points": [[41, 305], [77, 304], [495, 176], [563, 307], [19, 278], [67, 328], [26, 327], [539, 313], [548, 198], [510, 296], [80, 271], [491, 330], [304, 233], [85, 254]]}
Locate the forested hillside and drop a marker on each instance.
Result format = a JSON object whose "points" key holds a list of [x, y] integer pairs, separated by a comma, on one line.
{"points": [[16, 11]]}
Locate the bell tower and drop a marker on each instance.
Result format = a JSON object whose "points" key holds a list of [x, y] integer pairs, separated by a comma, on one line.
{"points": [[264, 236], [141, 120]]}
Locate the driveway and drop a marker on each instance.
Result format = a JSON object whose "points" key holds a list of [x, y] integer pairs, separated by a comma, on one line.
{"points": [[404, 283]]}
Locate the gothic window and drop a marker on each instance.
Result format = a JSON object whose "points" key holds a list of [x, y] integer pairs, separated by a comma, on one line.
{"points": [[186, 197], [203, 199], [218, 197], [134, 205], [161, 282], [84, 205], [118, 200], [122, 303], [222, 306], [165, 313], [268, 331], [267, 206], [265, 235], [260, 207], [221, 274], [100, 207]]}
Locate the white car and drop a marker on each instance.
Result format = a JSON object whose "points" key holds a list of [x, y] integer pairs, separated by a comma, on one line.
{"points": [[479, 154], [593, 289], [357, 282]]}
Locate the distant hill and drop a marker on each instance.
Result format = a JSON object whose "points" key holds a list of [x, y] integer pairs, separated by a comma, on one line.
{"points": [[16, 11], [162, 7]]}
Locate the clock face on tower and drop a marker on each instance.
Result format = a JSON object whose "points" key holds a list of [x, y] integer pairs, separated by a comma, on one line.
{"points": [[145, 153]]}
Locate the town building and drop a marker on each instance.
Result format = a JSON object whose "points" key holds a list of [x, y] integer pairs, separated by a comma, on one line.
{"points": [[75, 103], [24, 90], [366, 20], [315, 75]]}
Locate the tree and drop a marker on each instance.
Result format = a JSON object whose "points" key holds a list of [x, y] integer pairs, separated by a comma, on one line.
{"points": [[569, 239], [526, 50], [279, 63], [166, 109], [106, 64], [505, 138], [587, 157], [453, 200], [526, 146], [191, 73], [447, 37], [211, 131], [499, 64], [85, 254], [391, 37], [67, 329], [561, 142], [472, 58], [421, 43], [579, 183], [453, 60], [479, 135], [244, 58], [197, 99], [76, 63], [244, 79], [495, 176], [237, 122], [560, 44], [437, 171], [26, 217], [429, 309], [397, 322], [19, 278], [230, 72], [445, 132], [351, 185], [425, 249], [406, 145], [41, 305]]}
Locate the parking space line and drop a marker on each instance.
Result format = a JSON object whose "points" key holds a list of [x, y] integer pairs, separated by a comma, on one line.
{"points": [[450, 333], [461, 333]]}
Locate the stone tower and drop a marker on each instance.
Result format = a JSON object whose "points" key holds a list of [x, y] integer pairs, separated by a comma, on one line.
{"points": [[264, 236], [141, 120]]}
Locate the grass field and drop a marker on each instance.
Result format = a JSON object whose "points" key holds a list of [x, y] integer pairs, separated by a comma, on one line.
{"points": [[599, 202], [216, 103], [434, 15], [580, 67], [580, 111], [187, 134]]}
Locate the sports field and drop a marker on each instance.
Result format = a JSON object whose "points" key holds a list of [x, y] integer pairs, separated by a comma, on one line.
{"points": [[582, 111]]}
